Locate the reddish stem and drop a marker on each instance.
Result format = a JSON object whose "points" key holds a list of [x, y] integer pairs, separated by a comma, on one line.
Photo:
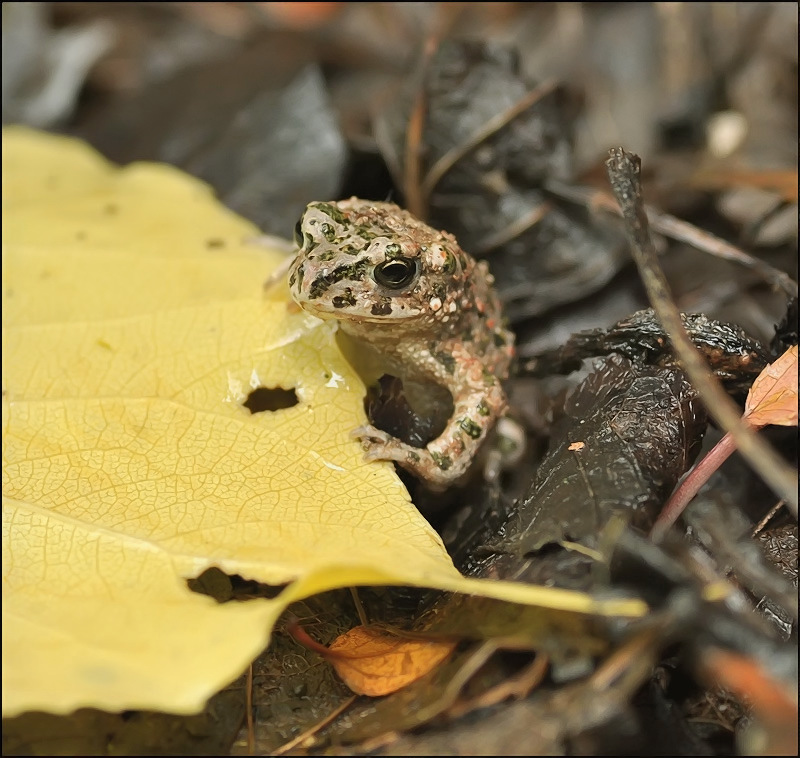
{"points": [[691, 485], [302, 637]]}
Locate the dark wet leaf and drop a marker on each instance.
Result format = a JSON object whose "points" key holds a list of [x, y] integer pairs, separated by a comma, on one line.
{"points": [[44, 68], [779, 546], [786, 331], [723, 530], [640, 427], [780, 549], [257, 126], [563, 722], [735, 358], [278, 154], [569, 640], [490, 196]]}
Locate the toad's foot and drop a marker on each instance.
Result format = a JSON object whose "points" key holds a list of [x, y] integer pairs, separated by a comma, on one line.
{"points": [[439, 468]]}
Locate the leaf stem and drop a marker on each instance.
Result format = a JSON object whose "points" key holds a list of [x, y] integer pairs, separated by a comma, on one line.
{"points": [[691, 485]]}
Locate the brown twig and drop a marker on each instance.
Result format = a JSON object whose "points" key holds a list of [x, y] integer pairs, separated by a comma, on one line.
{"points": [[412, 163], [518, 686], [629, 664], [413, 148], [512, 231], [672, 227], [764, 521], [251, 729], [624, 175], [362, 614], [312, 730], [691, 235]]}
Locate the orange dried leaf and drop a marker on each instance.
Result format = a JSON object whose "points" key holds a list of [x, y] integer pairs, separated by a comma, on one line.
{"points": [[783, 182], [373, 662], [773, 397], [302, 15], [771, 701]]}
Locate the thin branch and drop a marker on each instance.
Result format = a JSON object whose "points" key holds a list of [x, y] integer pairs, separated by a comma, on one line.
{"points": [[770, 515], [624, 175], [362, 614], [251, 729], [676, 229], [527, 221], [416, 199], [691, 235], [413, 147], [316, 728]]}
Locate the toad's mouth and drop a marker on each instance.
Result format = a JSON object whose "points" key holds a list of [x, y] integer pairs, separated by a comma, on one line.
{"points": [[357, 315]]}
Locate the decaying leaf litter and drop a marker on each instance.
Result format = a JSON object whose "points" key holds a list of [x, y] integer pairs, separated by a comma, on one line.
{"points": [[505, 206]]}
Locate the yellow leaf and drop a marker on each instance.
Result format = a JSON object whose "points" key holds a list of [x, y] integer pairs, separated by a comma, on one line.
{"points": [[773, 397], [134, 327], [372, 662]]}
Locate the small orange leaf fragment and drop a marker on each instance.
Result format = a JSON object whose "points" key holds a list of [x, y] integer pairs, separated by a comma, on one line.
{"points": [[373, 662], [771, 701], [773, 397]]}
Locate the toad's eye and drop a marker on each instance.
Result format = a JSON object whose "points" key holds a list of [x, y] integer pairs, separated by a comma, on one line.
{"points": [[397, 273], [298, 233]]}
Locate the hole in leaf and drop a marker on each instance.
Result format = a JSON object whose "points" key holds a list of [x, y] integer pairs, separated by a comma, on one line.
{"points": [[223, 587], [270, 399]]}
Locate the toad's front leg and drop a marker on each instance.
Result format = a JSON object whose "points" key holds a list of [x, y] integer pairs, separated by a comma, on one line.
{"points": [[447, 458]]}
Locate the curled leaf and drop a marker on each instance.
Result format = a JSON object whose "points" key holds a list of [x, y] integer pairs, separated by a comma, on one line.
{"points": [[773, 397], [373, 662]]}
